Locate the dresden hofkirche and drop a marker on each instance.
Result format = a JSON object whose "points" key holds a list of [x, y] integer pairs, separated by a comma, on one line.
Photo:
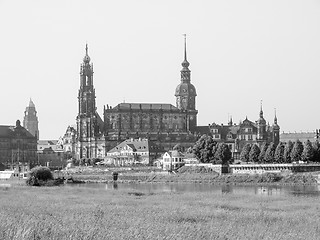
{"points": [[164, 124]]}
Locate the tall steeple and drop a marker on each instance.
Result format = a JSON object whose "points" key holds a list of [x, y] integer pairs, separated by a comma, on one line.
{"points": [[86, 96], [275, 130], [87, 119], [30, 120], [261, 125], [185, 72], [261, 111], [186, 93]]}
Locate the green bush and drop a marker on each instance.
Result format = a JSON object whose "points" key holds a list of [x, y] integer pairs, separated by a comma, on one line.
{"points": [[39, 175]]}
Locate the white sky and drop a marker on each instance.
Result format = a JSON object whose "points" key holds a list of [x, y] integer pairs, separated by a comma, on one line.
{"points": [[239, 52]]}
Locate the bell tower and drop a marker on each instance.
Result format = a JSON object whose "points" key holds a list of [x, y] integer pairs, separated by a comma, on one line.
{"points": [[186, 93], [87, 116]]}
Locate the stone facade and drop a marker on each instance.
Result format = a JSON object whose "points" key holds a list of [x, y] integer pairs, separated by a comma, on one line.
{"points": [[18, 147], [163, 124], [133, 151], [237, 135], [90, 137], [30, 120]]}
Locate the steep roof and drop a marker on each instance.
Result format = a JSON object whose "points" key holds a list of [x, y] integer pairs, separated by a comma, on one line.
{"points": [[14, 131]]}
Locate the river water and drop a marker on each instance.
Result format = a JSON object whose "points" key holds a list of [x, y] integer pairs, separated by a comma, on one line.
{"points": [[269, 190]]}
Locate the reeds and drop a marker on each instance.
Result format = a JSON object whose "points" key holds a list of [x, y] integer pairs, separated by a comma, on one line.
{"points": [[83, 213]]}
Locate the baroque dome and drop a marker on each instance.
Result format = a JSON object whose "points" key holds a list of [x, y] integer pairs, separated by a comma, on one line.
{"points": [[185, 89], [86, 59]]}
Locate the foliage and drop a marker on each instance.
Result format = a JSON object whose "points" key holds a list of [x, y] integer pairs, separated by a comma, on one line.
{"points": [[287, 152], [204, 149], [296, 151], [222, 154], [279, 153], [39, 175], [244, 155], [263, 150], [254, 153], [308, 151], [316, 148], [269, 156]]}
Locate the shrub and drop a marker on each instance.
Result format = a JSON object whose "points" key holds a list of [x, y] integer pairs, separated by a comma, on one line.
{"points": [[39, 175]]}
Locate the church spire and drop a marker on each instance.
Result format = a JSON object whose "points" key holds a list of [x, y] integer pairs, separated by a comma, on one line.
{"points": [[185, 72], [261, 112], [275, 117], [86, 58]]}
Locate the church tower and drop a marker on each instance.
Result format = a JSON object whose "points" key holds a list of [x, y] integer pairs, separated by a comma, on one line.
{"points": [[261, 125], [87, 119], [275, 130], [30, 121], [186, 93]]}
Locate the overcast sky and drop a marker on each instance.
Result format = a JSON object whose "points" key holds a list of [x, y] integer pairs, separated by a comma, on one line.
{"points": [[240, 52]]}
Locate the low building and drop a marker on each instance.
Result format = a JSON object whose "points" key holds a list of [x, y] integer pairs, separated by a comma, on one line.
{"points": [[51, 154], [18, 147], [172, 160], [133, 151]]}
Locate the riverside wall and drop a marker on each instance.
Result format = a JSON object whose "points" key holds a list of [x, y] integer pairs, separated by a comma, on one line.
{"points": [[259, 168]]}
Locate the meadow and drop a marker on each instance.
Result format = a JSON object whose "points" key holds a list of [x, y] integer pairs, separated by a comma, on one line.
{"points": [[86, 213]]}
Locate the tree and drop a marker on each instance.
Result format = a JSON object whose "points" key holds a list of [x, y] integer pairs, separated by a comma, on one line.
{"points": [[244, 155], [308, 151], [296, 151], [269, 157], [263, 150], [279, 153], [204, 148], [222, 154], [316, 149], [254, 153], [287, 152]]}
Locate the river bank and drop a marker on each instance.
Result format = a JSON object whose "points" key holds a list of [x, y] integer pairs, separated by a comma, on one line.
{"points": [[192, 176]]}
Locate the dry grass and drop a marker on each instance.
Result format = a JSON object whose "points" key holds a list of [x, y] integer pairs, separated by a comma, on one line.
{"points": [[83, 213]]}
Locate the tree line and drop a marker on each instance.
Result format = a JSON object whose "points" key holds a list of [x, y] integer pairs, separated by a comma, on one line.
{"points": [[209, 151], [282, 153]]}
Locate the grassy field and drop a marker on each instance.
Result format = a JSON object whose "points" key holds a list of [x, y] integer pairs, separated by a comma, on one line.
{"points": [[83, 213]]}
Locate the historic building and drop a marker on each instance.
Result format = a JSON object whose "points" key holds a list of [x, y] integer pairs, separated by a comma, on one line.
{"points": [[18, 147], [90, 136], [69, 140], [164, 124], [30, 120], [237, 135], [51, 154], [133, 151]]}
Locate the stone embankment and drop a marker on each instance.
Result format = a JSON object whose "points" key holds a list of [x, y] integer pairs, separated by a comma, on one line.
{"points": [[197, 175]]}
